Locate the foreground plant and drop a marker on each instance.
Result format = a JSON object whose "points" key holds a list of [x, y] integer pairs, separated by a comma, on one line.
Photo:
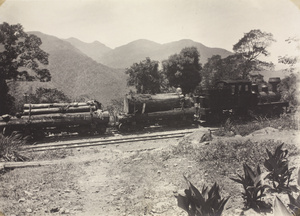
{"points": [[204, 203], [253, 188], [10, 146], [277, 165], [281, 210]]}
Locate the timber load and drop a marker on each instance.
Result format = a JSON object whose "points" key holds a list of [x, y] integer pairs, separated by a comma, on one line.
{"points": [[37, 109], [146, 103], [63, 117]]}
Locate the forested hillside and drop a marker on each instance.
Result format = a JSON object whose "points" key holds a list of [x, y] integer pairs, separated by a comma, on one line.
{"points": [[76, 74]]}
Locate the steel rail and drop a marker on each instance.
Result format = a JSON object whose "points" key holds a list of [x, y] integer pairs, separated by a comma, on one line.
{"points": [[96, 142]]}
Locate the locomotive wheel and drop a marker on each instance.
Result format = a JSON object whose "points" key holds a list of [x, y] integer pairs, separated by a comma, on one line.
{"points": [[83, 131], [7, 131], [101, 129], [123, 127], [38, 135]]}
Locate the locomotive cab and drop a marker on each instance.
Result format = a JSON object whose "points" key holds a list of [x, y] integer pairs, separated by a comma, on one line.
{"points": [[226, 97]]}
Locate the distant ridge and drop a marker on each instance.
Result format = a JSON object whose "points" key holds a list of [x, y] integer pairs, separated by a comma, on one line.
{"points": [[95, 50], [124, 56]]}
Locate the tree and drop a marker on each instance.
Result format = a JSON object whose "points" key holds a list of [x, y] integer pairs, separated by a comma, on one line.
{"points": [[245, 59], [217, 68], [253, 45], [288, 86], [288, 89], [183, 69], [291, 61], [20, 59], [144, 76]]}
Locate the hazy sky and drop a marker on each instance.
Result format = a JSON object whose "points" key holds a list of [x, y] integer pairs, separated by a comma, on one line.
{"points": [[215, 23]]}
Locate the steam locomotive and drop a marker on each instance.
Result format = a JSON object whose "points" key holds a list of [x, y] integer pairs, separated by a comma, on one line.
{"points": [[239, 97], [228, 97]]}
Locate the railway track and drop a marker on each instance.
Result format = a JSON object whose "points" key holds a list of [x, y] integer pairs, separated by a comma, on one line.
{"points": [[106, 141]]}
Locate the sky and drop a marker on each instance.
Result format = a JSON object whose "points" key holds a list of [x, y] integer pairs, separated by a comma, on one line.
{"points": [[214, 23]]}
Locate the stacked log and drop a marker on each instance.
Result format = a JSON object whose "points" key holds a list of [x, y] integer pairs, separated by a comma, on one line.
{"points": [[46, 108], [61, 109], [146, 103], [57, 114]]}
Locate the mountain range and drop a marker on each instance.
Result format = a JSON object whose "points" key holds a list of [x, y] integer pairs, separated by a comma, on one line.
{"points": [[136, 51], [96, 71]]}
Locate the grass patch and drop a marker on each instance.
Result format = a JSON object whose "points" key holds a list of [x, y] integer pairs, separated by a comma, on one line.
{"points": [[10, 147], [233, 127], [228, 156]]}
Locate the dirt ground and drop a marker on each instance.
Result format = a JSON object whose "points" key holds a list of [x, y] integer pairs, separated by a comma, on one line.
{"points": [[140, 178]]}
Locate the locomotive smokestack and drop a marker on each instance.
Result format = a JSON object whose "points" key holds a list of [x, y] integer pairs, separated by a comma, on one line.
{"points": [[274, 81]]}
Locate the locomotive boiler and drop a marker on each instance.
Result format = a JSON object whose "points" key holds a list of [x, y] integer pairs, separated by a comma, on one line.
{"points": [[142, 110]]}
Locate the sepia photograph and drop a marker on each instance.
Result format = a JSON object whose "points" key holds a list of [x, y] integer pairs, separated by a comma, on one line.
{"points": [[149, 107]]}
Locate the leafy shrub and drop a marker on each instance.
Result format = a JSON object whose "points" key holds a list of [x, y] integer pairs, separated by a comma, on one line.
{"points": [[253, 188], [277, 164], [281, 210], [228, 129], [204, 203], [10, 146], [294, 204], [288, 89], [48, 95]]}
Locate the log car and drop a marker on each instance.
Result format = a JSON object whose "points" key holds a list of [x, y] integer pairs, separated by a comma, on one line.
{"points": [[141, 110], [238, 97], [39, 119]]}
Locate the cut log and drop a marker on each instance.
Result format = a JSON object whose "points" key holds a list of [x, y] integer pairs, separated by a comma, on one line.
{"points": [[146, 103], [51, 105], [59, 110]]}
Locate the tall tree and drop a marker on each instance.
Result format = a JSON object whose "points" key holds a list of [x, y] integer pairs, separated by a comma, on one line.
{"points": [[144, 76], [291, 61], [20, 59], [245, 59], [251, 47], [289, 86], [183, 69]]}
